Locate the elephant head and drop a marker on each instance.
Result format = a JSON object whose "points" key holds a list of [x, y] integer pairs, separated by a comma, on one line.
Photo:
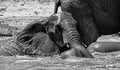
{"points": [[70, 34], [57, 30], [38, 37]]}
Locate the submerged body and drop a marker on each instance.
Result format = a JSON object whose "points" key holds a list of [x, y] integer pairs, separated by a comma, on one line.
{"points": [[104, 47], [107, 43]]}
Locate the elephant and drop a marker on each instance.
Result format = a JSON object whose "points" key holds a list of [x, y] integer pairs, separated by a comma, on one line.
{"points": [[57, 37], [35, 40], [94, 17]]}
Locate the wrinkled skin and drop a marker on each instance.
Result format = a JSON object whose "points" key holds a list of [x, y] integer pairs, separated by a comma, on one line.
{"points": [[94, 17]]}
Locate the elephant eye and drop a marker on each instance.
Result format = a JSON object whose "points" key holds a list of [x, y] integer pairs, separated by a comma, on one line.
{"points": [[59, 28]]}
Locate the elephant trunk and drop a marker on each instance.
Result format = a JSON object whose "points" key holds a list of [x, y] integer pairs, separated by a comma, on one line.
{"points": [[71, 34], [73, 38]]}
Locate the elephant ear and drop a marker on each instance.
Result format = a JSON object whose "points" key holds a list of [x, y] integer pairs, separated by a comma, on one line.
{"points": [[31, 29], [41, 45], [33, 39]]}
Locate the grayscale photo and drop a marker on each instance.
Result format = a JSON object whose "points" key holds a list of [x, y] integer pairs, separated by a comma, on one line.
{"points": [[59, 34]]}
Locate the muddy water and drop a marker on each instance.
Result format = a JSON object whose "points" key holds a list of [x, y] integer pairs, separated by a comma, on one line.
{"points": [[19, 16], [101, 61], [104, 61]]}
